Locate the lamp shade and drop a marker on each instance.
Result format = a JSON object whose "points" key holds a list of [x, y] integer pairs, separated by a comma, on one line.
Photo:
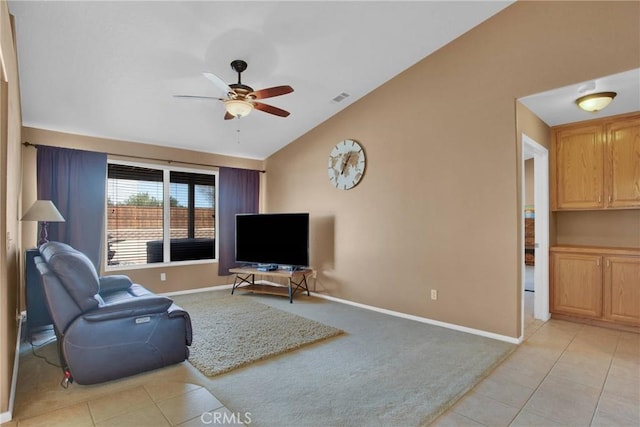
{"points": [[237, 107], [43, 210], [595, 101]]}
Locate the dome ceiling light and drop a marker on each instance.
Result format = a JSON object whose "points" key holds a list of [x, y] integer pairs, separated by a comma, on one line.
{"points": [[595, 101]]}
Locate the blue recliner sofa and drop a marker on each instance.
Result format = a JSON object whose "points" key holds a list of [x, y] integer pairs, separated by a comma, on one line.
{"points": [[108, 327]]}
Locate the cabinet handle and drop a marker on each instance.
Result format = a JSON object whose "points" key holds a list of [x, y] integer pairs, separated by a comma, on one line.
{"points": [[608, 263], [599, 199], [598, 261]]}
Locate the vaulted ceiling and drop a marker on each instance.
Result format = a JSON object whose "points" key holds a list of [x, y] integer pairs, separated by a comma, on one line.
{"points": [[111, 69]]}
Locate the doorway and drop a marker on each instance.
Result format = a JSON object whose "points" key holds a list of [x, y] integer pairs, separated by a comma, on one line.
{"points": [[540, 155]]}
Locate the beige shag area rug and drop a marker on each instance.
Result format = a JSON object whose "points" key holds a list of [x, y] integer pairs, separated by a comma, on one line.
{"points": [[230, 331]]}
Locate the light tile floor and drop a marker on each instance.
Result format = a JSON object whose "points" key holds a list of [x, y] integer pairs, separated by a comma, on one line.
{"points": [[564, 374], [167, 397]]}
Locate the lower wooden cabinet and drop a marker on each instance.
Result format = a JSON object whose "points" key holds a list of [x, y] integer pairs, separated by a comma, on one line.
{"points": [[596, 283], [622, 289], [577, 284]]}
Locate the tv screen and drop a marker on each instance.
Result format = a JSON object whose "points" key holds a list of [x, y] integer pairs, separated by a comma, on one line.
{"points": [[281, 238]]}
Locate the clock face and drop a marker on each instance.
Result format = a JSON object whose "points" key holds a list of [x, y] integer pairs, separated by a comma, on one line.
{"points": [[346, 164]]}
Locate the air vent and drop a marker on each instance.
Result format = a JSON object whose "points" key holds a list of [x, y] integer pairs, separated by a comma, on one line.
{"points": [[340, 97]]}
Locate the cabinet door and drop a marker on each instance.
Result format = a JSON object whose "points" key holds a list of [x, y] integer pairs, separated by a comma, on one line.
{"points": [[577, 284], [579, 168], [622, 289], [622, 166]]}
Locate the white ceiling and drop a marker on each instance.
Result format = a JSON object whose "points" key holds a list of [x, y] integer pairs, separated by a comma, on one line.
{"points": [[557, 106], [110, 69]]}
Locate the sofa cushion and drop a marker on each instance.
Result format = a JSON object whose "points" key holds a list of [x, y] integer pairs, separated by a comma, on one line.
{"points": [[76, 272]]}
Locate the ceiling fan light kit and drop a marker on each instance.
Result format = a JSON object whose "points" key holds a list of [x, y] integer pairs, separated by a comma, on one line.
{"points": [[238, 108], [595, 101]]}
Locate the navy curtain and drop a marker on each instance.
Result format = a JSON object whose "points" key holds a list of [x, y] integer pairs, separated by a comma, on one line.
{"points": [[75, 181], [239, 191]]}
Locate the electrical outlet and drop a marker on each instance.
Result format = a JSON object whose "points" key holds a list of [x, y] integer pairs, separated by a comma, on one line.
{"points": [[434, 294], [163, 276]]}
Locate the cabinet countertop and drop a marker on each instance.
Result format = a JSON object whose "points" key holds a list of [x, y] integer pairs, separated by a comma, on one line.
{"points": [[596, 250]]}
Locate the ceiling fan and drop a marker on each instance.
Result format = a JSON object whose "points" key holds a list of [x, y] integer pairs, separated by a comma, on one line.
{"points": [[241, 99]]}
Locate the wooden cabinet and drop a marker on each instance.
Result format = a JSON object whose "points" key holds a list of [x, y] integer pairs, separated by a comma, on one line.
{"points": [[622, 166], [596, 283], [579, 154], [596, 164], [577, 284], [622, 289]]}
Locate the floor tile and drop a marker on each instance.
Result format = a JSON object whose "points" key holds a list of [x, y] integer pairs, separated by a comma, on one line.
{"points": [[529, 419], [624, 386], [114, 404], [504, 390], [147, 416], [163, 390], [606, 419], [623, 406], [187, 406], [629, 343], [564, 401], [221, 416], [624, 365], [586, 372], [485, 410], [72, 416], [452, 419], [522, 376]]}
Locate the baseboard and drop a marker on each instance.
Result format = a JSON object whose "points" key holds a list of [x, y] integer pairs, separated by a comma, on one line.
{"points": [[453, 326], [197, 290], [5, 417]]}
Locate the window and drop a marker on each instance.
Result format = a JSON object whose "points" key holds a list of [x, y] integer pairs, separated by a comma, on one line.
{"points": [[159, 214]]}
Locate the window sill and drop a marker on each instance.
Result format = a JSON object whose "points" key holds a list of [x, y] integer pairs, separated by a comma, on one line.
{"points": [[115, 268]]}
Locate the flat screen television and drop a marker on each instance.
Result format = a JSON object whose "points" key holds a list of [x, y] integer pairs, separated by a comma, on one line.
{"points": [[273, 238]]}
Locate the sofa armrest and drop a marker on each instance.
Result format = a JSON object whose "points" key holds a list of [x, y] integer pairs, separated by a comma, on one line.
{"points": [[116, 282], [135, 307], [176, 311]]}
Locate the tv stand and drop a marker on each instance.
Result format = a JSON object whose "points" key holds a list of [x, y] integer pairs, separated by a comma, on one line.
{"points": [[296, 281]]}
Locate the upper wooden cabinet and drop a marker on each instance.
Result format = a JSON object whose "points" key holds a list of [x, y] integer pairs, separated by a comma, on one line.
{"points": [[622, 163], [596, 164]]}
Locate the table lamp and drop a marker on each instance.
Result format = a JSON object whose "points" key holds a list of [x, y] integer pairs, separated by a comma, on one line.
{"points": [[43, 211]]}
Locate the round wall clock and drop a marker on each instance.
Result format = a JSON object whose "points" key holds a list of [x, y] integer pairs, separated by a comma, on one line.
{"points": [[346, 164]]}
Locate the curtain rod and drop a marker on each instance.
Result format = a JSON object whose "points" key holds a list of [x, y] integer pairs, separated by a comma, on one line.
{"points": [[29, 144]]}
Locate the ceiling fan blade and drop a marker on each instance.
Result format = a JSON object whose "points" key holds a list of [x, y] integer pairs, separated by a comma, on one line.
{"points": [[220, 84], [270, 109], [228, 116], [198, 97], [271, 92]]}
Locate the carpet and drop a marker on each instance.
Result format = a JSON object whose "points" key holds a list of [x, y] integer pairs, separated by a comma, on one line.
{"points": [[230, 331], [384, 371]]}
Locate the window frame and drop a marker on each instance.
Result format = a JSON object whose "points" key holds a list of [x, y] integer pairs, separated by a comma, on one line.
{"points": [[166, 212]]}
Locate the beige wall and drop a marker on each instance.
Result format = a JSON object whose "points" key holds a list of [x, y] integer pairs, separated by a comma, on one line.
{"points": [[618, 228], [531, 125], [10, 195], [439, 205], [178, 277]]}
